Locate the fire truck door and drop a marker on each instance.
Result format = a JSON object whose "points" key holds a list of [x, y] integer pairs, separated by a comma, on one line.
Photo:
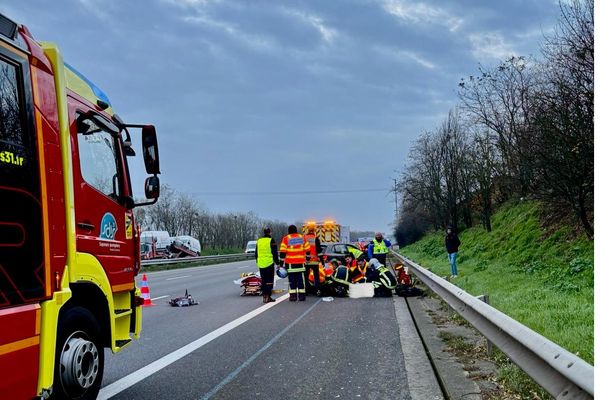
{"points": [[104, 226], [22, 265]]}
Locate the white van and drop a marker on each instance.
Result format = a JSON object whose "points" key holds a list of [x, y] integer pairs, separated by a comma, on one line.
{"points": [[250, 247], [163, 240], [190, 242]]}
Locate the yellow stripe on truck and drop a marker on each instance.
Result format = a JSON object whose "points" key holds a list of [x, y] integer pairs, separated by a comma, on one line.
{"points": [[19, 345]]}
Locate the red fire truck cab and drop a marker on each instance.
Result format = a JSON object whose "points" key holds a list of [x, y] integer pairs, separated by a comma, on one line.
{"points": [[69, 247]]}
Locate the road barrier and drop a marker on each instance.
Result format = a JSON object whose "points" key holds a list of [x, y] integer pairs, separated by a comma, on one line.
{"points": [[560, 372], [220, 257]]}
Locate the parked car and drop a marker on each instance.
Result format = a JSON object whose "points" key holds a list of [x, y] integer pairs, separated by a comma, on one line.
{"points": [[336, 251], [250, 247]]}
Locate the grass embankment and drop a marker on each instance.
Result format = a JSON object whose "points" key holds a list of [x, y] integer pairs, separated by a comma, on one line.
{"points": [[543, 279], [215, 251]]}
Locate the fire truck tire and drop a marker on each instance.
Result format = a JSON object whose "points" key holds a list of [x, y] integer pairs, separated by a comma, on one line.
{"points": [[79, 363]]}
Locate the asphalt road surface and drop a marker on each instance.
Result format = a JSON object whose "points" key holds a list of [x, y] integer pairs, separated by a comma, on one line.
{"points": [[234, 347]]}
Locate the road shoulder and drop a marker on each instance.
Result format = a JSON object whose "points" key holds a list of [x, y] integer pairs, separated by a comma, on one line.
{"points": [[422, 382]]}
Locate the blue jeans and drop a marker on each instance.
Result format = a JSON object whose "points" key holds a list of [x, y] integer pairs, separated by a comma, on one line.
{"points": [[452, 259]]}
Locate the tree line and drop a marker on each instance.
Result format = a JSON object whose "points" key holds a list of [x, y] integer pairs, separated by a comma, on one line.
{"points": [[181, 214], [521, 129]]}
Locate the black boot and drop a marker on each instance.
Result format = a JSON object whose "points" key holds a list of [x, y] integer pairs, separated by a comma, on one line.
{"points": [[293, 296]]}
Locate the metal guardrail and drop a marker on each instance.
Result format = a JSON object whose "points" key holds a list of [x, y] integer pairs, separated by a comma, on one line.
{"points": [[193, 259], [560, 372]]}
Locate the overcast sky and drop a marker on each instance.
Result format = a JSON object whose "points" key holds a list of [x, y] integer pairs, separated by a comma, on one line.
{"points": [[252, 99]]}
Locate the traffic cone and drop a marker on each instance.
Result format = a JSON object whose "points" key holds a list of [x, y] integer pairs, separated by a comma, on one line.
{"points": [[146, 292]]}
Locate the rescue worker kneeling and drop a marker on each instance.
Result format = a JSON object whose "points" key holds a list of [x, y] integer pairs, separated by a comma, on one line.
{"points": [[323, 281], [293, 252], [384, 280], [357, 268]]}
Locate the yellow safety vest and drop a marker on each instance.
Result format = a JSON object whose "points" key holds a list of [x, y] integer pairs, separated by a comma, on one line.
{"points": [[380, 247], [263, 248], [355, 252]]}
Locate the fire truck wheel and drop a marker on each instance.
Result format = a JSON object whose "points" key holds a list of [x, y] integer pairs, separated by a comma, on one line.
{"points": [[79, 363]]}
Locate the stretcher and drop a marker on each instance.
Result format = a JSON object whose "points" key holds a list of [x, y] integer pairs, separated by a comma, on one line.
{"points": [[250, 283]]}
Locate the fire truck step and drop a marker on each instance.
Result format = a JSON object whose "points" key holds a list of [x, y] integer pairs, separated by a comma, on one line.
{"points": [[122, 343], [122, 312]]}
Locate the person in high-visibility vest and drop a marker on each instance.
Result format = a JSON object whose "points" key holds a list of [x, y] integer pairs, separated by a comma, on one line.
{"points": [[266, 257], [378, 248], [293, 252], [315, 257], [358, 269], [355, 252]]}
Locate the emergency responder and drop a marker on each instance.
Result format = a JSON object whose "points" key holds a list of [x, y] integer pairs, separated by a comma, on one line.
{"points": [[315, 257], [355, 252], [379, 247], [293, 252], [266, 257], [358, 269]]}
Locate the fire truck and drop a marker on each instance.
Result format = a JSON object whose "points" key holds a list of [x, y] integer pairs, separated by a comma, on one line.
{"points": [[69, 247], [328, 231]]}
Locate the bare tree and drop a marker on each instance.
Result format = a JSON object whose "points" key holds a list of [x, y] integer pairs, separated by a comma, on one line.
{"points": [[500, 99], [562, 143], [484, 161]]}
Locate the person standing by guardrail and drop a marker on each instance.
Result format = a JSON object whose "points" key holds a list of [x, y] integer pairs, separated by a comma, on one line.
{"points": [[293, 251], [452, 244], [266, 257], [378, 248]]}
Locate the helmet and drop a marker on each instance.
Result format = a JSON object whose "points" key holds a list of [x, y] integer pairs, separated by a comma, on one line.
{"points": [[374, 263], [282, 272]]}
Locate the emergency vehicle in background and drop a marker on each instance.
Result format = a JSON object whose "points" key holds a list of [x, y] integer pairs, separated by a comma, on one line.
{"points": [[328, 231], [69, 247]]}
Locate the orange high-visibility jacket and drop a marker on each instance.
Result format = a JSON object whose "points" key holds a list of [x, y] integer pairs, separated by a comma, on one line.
{"points": [[311, 239], [322, 275], [295, 248], [357, 273]]}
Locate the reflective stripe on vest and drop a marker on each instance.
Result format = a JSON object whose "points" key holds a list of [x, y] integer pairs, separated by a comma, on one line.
{"points": [[379, 247], [295, 248], [263, 251], [357, 273], [322, 276], [294, 267], [311, 239]]}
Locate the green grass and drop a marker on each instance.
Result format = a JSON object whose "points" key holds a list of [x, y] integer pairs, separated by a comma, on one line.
{"points": [[214, 251], [543, 279]]}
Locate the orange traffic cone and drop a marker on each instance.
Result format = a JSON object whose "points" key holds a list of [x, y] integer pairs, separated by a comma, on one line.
{"points": [[146, 292]]}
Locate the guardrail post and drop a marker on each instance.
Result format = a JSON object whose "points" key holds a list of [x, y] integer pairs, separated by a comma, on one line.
{"points": [[486, 299]]}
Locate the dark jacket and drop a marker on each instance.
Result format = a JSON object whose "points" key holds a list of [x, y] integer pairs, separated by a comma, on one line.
{"points": [[452, 243]]}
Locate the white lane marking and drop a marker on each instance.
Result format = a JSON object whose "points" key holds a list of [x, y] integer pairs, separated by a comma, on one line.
{"points": [[160, 297], [253, 357], [126, 382], [245, 266], [177, 277]]}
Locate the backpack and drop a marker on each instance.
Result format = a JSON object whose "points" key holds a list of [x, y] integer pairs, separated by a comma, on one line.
{"points": [[408, 291]]}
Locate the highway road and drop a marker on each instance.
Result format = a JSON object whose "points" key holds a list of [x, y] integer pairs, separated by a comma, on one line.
{"points": [[234, 347]]}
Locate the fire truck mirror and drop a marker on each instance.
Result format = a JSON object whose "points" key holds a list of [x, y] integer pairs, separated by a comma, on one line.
{"points": [[152, 187], [150, 150]]}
